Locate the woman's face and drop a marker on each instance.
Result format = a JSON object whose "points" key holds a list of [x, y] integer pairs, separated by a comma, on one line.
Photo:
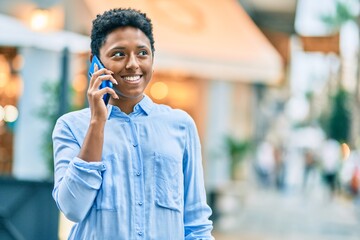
{"points": [[127, 52]]}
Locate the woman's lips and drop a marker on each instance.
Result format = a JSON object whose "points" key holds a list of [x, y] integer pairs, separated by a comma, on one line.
{"points": [[131, 78]]}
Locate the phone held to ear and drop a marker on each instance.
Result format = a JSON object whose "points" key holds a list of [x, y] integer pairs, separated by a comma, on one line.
{"points": [[105, 83]]}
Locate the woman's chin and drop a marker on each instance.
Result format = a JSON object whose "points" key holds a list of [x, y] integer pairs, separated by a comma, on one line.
{"points": [[128, 96]]}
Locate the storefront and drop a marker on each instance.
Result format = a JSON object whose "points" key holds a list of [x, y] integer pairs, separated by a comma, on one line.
{"points": [[31, 64]]}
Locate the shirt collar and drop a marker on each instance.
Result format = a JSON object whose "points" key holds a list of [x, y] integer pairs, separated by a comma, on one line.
{"points": [[145, 105]]}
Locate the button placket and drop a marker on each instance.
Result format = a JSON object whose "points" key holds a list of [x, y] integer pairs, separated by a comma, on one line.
{"points": [[139, 215]]}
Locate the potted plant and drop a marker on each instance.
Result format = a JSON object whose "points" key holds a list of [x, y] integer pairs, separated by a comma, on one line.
{"points": [[237, 150]]}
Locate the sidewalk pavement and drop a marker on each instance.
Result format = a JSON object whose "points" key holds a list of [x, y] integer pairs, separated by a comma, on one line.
{"points": [[274, 215]]}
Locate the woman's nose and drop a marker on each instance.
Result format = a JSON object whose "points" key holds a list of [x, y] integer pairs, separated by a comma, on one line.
{"points": [[132, 62]]}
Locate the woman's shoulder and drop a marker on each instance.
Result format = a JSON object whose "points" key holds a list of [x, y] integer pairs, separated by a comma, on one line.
{"points": [[175, 115], [162, 109]]}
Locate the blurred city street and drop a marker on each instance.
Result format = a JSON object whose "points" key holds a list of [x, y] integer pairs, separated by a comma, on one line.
{"points": [[273, 87], [274, 215]]}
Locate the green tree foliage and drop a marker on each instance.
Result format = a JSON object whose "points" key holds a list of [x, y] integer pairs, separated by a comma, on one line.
{"points": [[343, 13], [340, 117], [49, 113]]}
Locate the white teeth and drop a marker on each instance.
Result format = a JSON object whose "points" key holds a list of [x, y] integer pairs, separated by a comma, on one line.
{"points": [[131, 78]]}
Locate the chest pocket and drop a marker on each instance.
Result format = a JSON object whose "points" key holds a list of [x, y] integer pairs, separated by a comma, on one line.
{"points": [[168, 182]]}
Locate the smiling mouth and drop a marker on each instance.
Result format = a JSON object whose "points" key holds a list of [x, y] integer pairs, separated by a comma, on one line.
{"points": [[132, 78]]}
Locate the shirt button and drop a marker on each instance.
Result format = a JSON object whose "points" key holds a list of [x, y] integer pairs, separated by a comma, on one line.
{"points": [[127, 120], [140, 203], [138, 173], [140, 233]]}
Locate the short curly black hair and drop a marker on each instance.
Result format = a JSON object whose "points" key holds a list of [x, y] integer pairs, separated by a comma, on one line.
{"points": [[107, 22]]}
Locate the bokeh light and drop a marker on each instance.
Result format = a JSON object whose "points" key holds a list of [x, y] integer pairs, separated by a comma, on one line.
{"points": [[18, 62], [11, 113], [39, 19], [159, 90], [2, 113], [80, 83]]}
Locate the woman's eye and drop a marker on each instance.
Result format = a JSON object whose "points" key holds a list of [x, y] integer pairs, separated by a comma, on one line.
{"points": [[119, 54], [143, 53]]}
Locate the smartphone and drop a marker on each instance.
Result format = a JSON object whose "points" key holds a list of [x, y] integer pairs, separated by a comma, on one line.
{"points": [[106, 83]]}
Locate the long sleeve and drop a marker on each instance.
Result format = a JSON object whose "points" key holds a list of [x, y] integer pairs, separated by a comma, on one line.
{"points": [[76, 181], [196, 211]]}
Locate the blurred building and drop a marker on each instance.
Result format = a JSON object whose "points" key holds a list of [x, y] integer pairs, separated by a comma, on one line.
{"points": [[211, 60], [319, 42], [31, 62]]}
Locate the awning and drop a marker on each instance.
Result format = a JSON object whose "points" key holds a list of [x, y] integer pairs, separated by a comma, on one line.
{"points": [[16, 34], [209, 38]]}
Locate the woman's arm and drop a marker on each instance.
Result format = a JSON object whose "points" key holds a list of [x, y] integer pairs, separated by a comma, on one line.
{"points": [[78, 168], [196, 211], [76, 181]]}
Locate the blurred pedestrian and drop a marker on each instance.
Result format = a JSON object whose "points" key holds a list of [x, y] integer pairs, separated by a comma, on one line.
{"points": [[309, 166], [279, 167], [131, 169], [355, 181], [350, 175], [330, 162], [265, 163]]}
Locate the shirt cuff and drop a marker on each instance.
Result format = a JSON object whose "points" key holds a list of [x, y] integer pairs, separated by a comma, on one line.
{"points": [[87, 173], [88, 166]]}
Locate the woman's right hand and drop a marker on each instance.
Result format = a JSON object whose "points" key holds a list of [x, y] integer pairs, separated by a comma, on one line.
{"points": [[95, 95]]}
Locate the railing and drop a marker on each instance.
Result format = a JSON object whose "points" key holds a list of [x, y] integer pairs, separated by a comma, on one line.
{"points": [[27, 210]]}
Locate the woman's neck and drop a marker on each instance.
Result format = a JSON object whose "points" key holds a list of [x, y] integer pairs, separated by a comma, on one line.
{"points": [[126, 104]]}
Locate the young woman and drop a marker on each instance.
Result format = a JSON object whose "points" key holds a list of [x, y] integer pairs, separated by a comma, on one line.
{"points": [[131, 169]]}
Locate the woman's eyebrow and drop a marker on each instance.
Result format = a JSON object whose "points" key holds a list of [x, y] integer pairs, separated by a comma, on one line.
{"points": [[123, 48], [118, 48]]}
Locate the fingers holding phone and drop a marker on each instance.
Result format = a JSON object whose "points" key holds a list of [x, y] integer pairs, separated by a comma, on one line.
{"points": [[100, 89], [105, 81], [102, 79]]}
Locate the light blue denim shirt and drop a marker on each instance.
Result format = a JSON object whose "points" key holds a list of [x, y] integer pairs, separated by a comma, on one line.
{"points": [[149, 184]]}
